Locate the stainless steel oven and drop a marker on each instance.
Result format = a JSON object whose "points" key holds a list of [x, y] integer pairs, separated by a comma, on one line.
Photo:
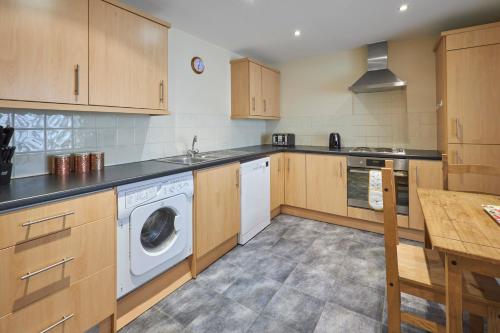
{"points": [[358, 169]]}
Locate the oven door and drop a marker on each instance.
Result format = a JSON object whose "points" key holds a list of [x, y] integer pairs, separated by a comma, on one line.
{"points": [[358, 183]]}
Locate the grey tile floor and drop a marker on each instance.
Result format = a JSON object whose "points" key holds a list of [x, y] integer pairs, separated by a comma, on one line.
{"points": [[297, 275]]}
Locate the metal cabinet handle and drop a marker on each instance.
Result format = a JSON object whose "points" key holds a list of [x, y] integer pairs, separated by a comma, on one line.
{"points": [[54, 325], [279, 166], [253, 103], [162, 84], [288, 165], [27, 224], [457, 127], [59, 263], [439, 105], [77, 80], [237, 178], [265, 106], [416, 175]]}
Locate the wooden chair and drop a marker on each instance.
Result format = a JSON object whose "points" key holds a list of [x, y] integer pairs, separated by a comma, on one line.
{"points": [[420, 272], [463, 169]]}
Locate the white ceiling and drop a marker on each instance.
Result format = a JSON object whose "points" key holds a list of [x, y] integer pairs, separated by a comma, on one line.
{"points": [[263, 29]]}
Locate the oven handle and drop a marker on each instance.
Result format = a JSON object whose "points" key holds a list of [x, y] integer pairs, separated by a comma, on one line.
{"points": [[363, 171]]}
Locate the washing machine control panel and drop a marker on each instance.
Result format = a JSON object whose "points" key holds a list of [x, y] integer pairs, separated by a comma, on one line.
{"points": [[157, 191]]}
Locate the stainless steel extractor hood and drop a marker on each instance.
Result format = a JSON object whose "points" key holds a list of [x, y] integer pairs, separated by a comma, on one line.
{"points": [[378, 77]]}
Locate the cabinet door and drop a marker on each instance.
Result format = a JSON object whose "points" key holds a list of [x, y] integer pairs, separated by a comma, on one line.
{"points": [[128, 59], [295, 180], [425, 174], [442, 119], [277, 180], [44, 55], [217, 206], [255, 77], [472, 95], [327, 184], [474, 154], [270, 92]]}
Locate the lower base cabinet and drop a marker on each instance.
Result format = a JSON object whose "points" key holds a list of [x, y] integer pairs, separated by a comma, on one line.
{"points": [[295, 180], [216, 207], [73, 309], [326, 182], [277, 180], [474, 154], [58, 265]]}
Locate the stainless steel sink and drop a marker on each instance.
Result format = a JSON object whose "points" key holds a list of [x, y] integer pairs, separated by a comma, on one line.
{"points": [[202, 157]]}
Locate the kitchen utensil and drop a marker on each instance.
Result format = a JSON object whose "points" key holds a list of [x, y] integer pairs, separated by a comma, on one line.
{"points": [[8, 132], [11, 154]]}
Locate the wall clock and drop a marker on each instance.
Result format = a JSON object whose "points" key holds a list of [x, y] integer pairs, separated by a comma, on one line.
{"points": [[197, 65]]}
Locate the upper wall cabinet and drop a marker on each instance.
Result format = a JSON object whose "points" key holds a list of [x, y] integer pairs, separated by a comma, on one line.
{"points": [[82, 55], [44, 54], [255, 90], [468, 81], [128, 58]]}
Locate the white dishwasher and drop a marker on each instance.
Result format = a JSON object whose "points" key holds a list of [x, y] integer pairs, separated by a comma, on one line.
{"points": [[255, 198]]}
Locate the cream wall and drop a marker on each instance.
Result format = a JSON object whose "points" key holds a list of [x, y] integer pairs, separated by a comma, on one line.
{"points": [[200, 105], [315, 99]]}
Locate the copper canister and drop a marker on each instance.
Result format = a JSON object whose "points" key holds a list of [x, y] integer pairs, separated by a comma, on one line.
{"points": [[82, 163], [61, 164], [96, 161]]}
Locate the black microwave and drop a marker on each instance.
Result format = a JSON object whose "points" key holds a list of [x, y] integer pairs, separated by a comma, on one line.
{"points": [[284, 139]]}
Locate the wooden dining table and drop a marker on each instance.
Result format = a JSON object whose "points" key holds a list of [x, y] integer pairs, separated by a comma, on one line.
{"points": [[468, 239]]}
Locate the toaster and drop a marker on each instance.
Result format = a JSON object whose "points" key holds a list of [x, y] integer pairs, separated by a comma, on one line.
{"points": [[284, 139]]}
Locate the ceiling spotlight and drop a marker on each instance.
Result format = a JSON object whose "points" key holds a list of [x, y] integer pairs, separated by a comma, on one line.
{"points": [[297, 33], [403, 7]]}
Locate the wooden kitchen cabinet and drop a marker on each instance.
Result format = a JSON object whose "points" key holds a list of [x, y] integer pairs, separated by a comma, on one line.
{"points": [[277, 181], [270, 92], [474, 154], [473, 85], [82, 55], [44, 51], [467, 84], [255, 90], [424, 174], [327, 184], [82, 305], [127, 58], [295, 180], [216, 207], [69, 247]]}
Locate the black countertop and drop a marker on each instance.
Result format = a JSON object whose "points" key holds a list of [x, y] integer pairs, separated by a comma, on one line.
{"points": [[29, 191]]}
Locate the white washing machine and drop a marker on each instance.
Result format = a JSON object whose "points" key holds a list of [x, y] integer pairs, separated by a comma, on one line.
{"points": [[155, 228]]}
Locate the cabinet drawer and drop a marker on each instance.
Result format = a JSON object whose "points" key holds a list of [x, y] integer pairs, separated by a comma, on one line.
{"points": [[27, 224], [89, 301], [41, 267]]}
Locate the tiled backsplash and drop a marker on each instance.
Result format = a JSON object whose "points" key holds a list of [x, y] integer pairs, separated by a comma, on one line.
{"points": [[124, 138], [372, 120]]}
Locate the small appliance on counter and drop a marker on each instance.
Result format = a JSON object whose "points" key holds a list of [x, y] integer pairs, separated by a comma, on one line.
{"points": [[335, 141], [284, 139], [6, 154]]}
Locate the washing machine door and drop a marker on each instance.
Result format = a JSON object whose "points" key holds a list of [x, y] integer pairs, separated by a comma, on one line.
{"points": [[158, 233]]}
